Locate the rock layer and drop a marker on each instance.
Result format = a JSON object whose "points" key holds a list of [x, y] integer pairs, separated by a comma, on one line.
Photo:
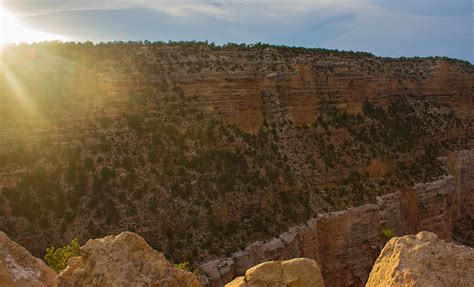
{"points": [[106, 109], [346, 244], [298, 272], [423, 260], [123, 260], [18, 268]]}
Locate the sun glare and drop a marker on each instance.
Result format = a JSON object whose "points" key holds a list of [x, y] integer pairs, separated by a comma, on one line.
{"points": [[13, 31]]}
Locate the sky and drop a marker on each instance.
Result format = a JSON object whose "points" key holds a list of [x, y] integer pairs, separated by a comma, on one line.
{"points": [[383, 27]]}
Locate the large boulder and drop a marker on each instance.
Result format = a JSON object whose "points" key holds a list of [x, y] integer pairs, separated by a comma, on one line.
{"points": [[423, 260], [18, 268], [123, 260], [298, 272]]}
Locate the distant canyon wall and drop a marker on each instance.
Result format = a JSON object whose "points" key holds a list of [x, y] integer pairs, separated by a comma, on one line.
{"points": [[346, 244], [238, 88], [239, 97]]}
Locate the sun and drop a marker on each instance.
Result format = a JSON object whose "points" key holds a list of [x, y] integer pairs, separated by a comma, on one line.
{"points": [[13, 31]]}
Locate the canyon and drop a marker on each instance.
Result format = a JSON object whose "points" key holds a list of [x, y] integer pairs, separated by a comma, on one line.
{"points": [[204, 149]]}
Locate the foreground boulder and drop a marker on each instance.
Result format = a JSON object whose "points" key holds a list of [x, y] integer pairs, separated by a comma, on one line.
{"points": [[19, 268], [299, 272], [123, 260], [423, 260]]}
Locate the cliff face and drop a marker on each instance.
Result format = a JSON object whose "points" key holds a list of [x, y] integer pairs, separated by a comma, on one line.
{"points": [[460, 165], [241, 97], [226, 145], [242, 86], [345, 244]]}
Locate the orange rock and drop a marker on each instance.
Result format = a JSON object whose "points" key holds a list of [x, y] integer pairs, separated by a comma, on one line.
{"points": [[423, 260], [123, 260], [298, 272]]}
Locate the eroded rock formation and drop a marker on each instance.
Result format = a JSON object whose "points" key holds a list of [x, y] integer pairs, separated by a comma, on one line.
{"points": [[18, 268], [134, 136], [423, 260], [346, 244], [298, 272], [123, 260]]}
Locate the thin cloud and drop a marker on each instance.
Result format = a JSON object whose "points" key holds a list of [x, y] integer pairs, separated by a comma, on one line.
{"points": [[216, 8]]}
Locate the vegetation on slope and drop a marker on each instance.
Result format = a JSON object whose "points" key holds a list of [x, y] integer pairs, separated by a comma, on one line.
{"points": [[192, 185]]}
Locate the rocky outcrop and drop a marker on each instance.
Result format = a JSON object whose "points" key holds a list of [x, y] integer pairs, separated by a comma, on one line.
{"points": [[298, 272], [423, 260], [346, 244], [123, 260], [18, 268]]}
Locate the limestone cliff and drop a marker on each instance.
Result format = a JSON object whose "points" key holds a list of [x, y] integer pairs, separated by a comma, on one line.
{"points": [[423, 260]]}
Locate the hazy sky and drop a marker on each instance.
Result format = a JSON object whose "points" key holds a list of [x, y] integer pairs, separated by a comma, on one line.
{"points": [[383, 27]]}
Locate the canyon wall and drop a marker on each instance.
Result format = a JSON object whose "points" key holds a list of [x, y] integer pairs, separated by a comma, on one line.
{"points": [[460, 166], [232, 84], [239, 96], [346, 244]]}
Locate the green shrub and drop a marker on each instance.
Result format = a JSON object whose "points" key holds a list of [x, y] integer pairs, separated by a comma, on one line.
{"points": [[388, 233], [185, 266], [57, 258]]}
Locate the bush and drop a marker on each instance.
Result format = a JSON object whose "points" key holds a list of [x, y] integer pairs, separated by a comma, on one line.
{"points": [[388, 233], [57, 258], [186, 267]]}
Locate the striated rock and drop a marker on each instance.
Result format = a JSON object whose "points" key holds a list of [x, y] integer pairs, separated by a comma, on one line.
{"points": [[423, 260], [123, 260], [18, 268], [298, 272], [245, 87], [437, 206], [349, 244], [460, 166], [346, 244]]}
